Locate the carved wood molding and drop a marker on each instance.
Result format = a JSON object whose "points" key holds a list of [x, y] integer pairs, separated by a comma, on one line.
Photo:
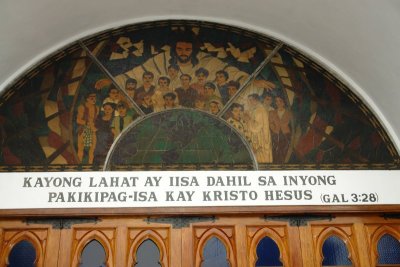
{"points": [[203, 211], [82, 237], [38, 238], [160, 236], [224, 233]]}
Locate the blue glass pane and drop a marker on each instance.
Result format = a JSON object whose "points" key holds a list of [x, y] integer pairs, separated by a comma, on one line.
{"points": [[214, 254], [335, 252], [93, 255], [268, 253], [148, 255], [388, 250], [23, 254]]}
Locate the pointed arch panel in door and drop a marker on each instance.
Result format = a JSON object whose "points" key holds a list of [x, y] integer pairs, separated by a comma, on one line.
{"points": [[342, 237], [104, 237], [275, 235], [225, 236], [37, 240], [159, 236], [375, 233]]}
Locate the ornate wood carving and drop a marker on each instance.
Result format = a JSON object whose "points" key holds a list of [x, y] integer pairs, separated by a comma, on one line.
{"points": [[37, 237], [224, 233], [82, 237], [160, 236], [277, 233]]}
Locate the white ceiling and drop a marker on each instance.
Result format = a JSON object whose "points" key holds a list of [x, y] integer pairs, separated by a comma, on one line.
{"points": [[359, 40]]}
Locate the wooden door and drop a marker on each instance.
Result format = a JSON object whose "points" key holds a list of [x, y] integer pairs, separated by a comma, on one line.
{"points": [[182, 241]]}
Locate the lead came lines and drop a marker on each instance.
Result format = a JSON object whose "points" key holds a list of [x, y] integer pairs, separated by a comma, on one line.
{"points": [[249, 79]]}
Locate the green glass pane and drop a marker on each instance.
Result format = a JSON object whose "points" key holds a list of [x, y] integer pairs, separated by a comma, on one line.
{"points": [[180, 136]]}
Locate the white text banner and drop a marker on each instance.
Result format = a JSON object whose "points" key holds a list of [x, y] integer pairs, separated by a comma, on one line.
{"points": [[197, 189]]}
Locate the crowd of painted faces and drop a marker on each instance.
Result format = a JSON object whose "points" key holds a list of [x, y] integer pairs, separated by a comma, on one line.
{"points": [[266, 125], [183, 91]]}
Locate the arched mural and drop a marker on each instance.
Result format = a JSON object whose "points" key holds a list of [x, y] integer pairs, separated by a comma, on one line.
{"points": [[67, 112]]}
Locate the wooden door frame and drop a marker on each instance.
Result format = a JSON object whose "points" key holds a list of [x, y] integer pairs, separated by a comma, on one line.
{"points": [[174, 211]]}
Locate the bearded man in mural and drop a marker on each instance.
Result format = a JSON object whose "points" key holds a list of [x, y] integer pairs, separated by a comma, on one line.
{"points": [[309, 118], [185, 53]]}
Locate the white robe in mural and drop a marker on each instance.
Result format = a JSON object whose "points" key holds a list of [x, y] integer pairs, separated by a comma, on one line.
{"points": [[259, 134]]}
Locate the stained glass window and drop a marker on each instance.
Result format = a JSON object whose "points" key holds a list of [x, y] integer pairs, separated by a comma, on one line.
{"points": [[388, 250], [214, 254], [23, 254], [335, 252], [181, 137], [268, 253], [93, 255], [148, 255]]}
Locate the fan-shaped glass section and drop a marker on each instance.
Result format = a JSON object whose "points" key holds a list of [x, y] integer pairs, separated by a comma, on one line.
{"points": [[180, 137]]}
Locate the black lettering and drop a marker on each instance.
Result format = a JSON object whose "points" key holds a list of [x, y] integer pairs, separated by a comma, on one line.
{"points": [[206, 196], [27, 182], [308, 195]]}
